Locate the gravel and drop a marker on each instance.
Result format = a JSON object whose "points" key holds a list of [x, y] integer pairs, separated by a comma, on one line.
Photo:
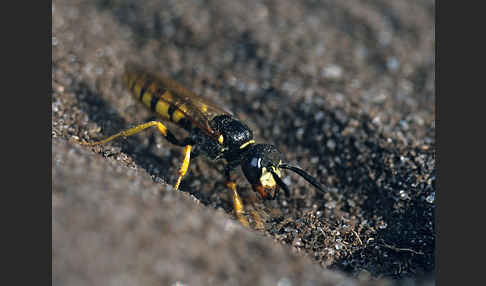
{"points": [[344, 90]]}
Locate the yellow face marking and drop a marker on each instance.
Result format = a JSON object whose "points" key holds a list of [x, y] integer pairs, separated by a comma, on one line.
{"points": [[267, 179], [247, 143], [221, 139]]}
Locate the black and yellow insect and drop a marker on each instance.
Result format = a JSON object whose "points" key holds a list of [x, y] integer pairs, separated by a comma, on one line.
{"points": [[213, 132]]}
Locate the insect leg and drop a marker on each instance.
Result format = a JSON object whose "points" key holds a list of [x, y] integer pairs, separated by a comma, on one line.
{"points": [[238, 204], [185, 165], [134, 130], [163, 130]]}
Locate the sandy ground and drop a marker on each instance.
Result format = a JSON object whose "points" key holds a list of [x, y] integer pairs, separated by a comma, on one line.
{"points": [[344, 89]]}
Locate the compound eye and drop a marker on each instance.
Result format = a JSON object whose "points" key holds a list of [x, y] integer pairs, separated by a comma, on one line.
{"points": [[252, 168]]}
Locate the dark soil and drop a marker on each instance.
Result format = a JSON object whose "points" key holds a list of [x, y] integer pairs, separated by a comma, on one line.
{"points": [[344, 89]]}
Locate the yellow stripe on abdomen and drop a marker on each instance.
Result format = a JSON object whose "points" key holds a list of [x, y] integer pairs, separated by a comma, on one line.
{"points": [[147, 98], [162, 108], [155, 96], [177, 116]]}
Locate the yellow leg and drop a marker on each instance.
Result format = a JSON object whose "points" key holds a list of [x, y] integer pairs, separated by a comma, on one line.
{"points": [[163, 130], [185, 165], [238, 204], [132, 131]]}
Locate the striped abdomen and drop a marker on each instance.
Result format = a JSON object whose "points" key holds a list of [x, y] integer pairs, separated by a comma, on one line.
{"points": [[172, 101], [159, 97]]}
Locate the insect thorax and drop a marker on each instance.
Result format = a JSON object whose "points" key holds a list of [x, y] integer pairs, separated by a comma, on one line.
{"points": [[233, 137], [206, 145]]}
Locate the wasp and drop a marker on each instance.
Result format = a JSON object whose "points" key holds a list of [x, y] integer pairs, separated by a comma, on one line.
{"points": [[212, 131]]}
